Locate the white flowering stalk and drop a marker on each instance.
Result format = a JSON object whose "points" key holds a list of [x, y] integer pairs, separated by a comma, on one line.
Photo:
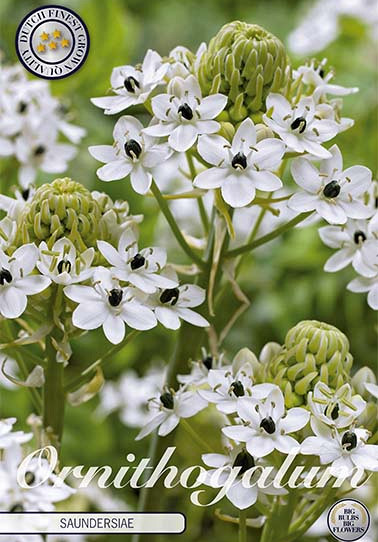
{"points": [[69, 264], [222, 125], [31, 123], [264, 427]]}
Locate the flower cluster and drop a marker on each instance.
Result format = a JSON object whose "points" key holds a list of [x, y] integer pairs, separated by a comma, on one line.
{"points": [[31, 121], [257, 422], [13, 497], [65, 238], [229, 118]]}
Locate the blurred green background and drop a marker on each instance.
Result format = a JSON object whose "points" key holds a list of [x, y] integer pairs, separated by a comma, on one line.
{"points": [[285, 283]]}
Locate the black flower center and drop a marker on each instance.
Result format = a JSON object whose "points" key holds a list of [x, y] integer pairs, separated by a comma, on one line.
{"points": [[64, 265], [115, 297], [186, 111], [332, 190], [22, 107], [238, 388], [208, 362], [39, 150], [137, 262], [132, 149], [170, 295], [25, 194], [349, 440], [239, 161], [268, 425], [299, 124], [29, 478], [167, 400], [334, 412], [5, 276], [245, 461], [16, 508], [131, 84], [359, 237]]}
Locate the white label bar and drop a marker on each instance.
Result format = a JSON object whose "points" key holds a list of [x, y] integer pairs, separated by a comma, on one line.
{"points": [[91, 523]]}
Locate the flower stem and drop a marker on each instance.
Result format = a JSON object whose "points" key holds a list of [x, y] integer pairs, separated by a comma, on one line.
{"points": [[201, 207], [242, 526], [269, 237], [173, 225], [54, 396], [199, 440]]}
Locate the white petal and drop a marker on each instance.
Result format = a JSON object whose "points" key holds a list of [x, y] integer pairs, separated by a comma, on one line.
{"points": [[303, 201], [213, 149], [239, 433], [114, 329], [33, 284], [183, 137], [103, 153], [244, 138], [331, 212], [286, 444], [167, 317], [12, 302], [113, 104], [110, 254], [238, 191], [372, 297], [113, 171], [269, 153], [192, 317], [211, 106], [137, 316], [295, 419], [169, 425], [140, 180], [265, 180], [305, 175], [339, 260], [359, 180], [242, 497], [281, 107], [81, 294], [260, 446], [89, 315], [215, 460], [333, 164], [152, 425], [211, 178]]}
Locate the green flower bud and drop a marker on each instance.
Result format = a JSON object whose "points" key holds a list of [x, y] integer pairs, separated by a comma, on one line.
{"points": [[227, 130], [246, 63], [263, 132], [313, 352], [65, 208]]}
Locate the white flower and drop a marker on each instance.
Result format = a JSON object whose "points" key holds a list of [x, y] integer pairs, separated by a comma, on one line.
{"points": [[199, 373], [183, 114], [8, 230], [62, 264], [356, 241], [129, 396], [109, 305], [140, 268], [372, 389], [330, 191], [172, 304], [299, 126], [338, 408], [230, 383], [14, 206], [37, 150], [343, 450], [314, 75], [238, 493], [133, 85], [8, 437], [16, 281], [171, 406], [366, 284], [133, 153], [14, 498], [266, 426], [241, 167], [184, 61]]}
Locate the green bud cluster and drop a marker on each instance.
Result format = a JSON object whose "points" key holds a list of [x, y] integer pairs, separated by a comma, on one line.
{"points": [[246, 63], [313, 351], [65, 208]]}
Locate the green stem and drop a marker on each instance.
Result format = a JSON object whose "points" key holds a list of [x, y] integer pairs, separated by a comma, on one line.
{"points": [[203, 445], [173, 225], [242, 526], [269, 237], [201, 207], [54, 397]]}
